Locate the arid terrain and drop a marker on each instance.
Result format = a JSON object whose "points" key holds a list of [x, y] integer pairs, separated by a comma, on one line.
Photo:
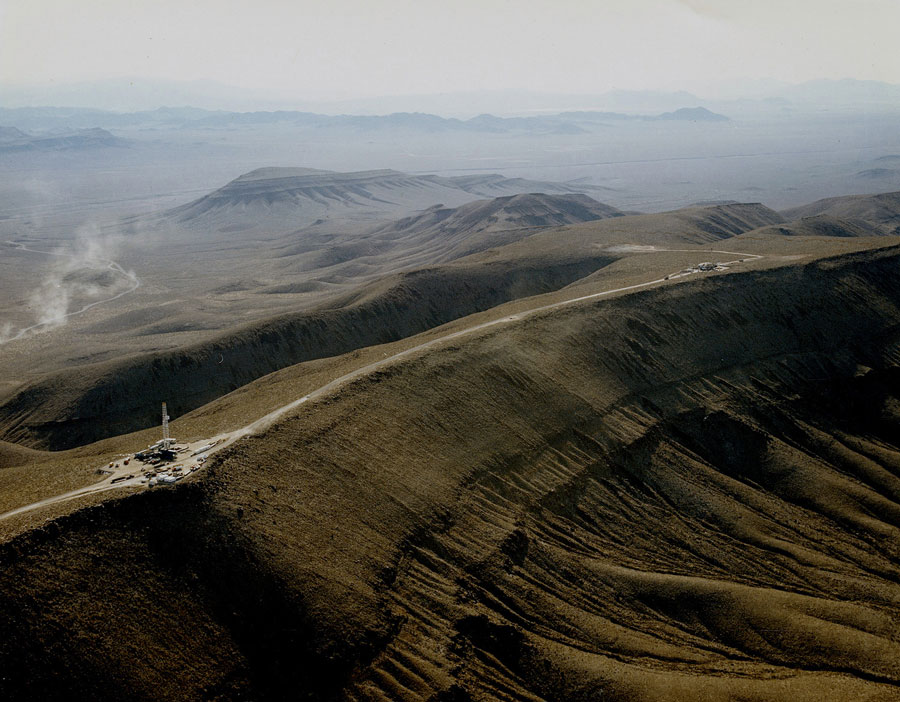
{"points": [[450, 351], [478, 438]]}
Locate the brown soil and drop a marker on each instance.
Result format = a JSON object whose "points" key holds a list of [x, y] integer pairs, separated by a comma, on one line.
{"points": [[690, 492], [89, 403], [86, 403], [880, 212]]}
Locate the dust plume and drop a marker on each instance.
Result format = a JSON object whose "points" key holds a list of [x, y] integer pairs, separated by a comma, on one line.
{"points": [[80, 277]]}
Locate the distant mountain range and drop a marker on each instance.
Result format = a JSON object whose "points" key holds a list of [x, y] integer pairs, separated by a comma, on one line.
{"points": [[55, 118], [467, 228], [528, 112], [142, 94], [14, 139], [284, 199], [693, 114]]}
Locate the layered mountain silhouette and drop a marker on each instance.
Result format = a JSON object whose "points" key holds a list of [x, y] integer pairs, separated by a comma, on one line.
{"points": [[13, 140], [288, 198]]}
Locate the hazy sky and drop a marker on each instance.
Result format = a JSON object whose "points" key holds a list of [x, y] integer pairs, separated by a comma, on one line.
{"points": [[351, 48]]}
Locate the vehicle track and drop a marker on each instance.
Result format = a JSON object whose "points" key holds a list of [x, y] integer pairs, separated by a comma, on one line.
{"points": [[228, 438], [110, 264]]}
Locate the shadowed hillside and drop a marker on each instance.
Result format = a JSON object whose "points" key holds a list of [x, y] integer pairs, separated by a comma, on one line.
{"points": [[484, 223], [690, 227], [283, 199], [293, 197], [881, 211], [85, 404], [273, 241], [13, 454], [685, 493], [495, 185], [824, 225]]}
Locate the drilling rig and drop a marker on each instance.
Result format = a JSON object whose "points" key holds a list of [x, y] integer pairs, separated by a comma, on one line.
{"points": [[165, 427]]}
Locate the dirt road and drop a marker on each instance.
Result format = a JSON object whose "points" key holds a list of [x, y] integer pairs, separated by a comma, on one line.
{"points": [[228, 438], [133, 280]]}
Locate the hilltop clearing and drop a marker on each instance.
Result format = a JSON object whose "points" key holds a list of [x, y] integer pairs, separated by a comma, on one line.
{"points": [[92, 401], [685, 492]]}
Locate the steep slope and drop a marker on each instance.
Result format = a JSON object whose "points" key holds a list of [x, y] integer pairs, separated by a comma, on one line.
{"points": [[881, 211], [292, 197], [285, 199], [85, 403], [485, 223], [440, 234], [88, 403], [824, 225], [13, 454], [694, 226], [273, 241], [688, 493], [495, 185], [702, 225]]}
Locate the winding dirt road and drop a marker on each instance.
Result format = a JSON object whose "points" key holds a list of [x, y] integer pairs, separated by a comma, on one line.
{"points": [[110, 264], [228, 438]]}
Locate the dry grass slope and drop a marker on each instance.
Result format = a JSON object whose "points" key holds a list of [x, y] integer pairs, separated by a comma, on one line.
{"points": [[688, 493], [881, 211], [479, 225], [90, 402]]}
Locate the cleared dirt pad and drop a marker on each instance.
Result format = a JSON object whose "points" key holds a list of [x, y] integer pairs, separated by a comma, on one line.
{"points": [[689, 492]]}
